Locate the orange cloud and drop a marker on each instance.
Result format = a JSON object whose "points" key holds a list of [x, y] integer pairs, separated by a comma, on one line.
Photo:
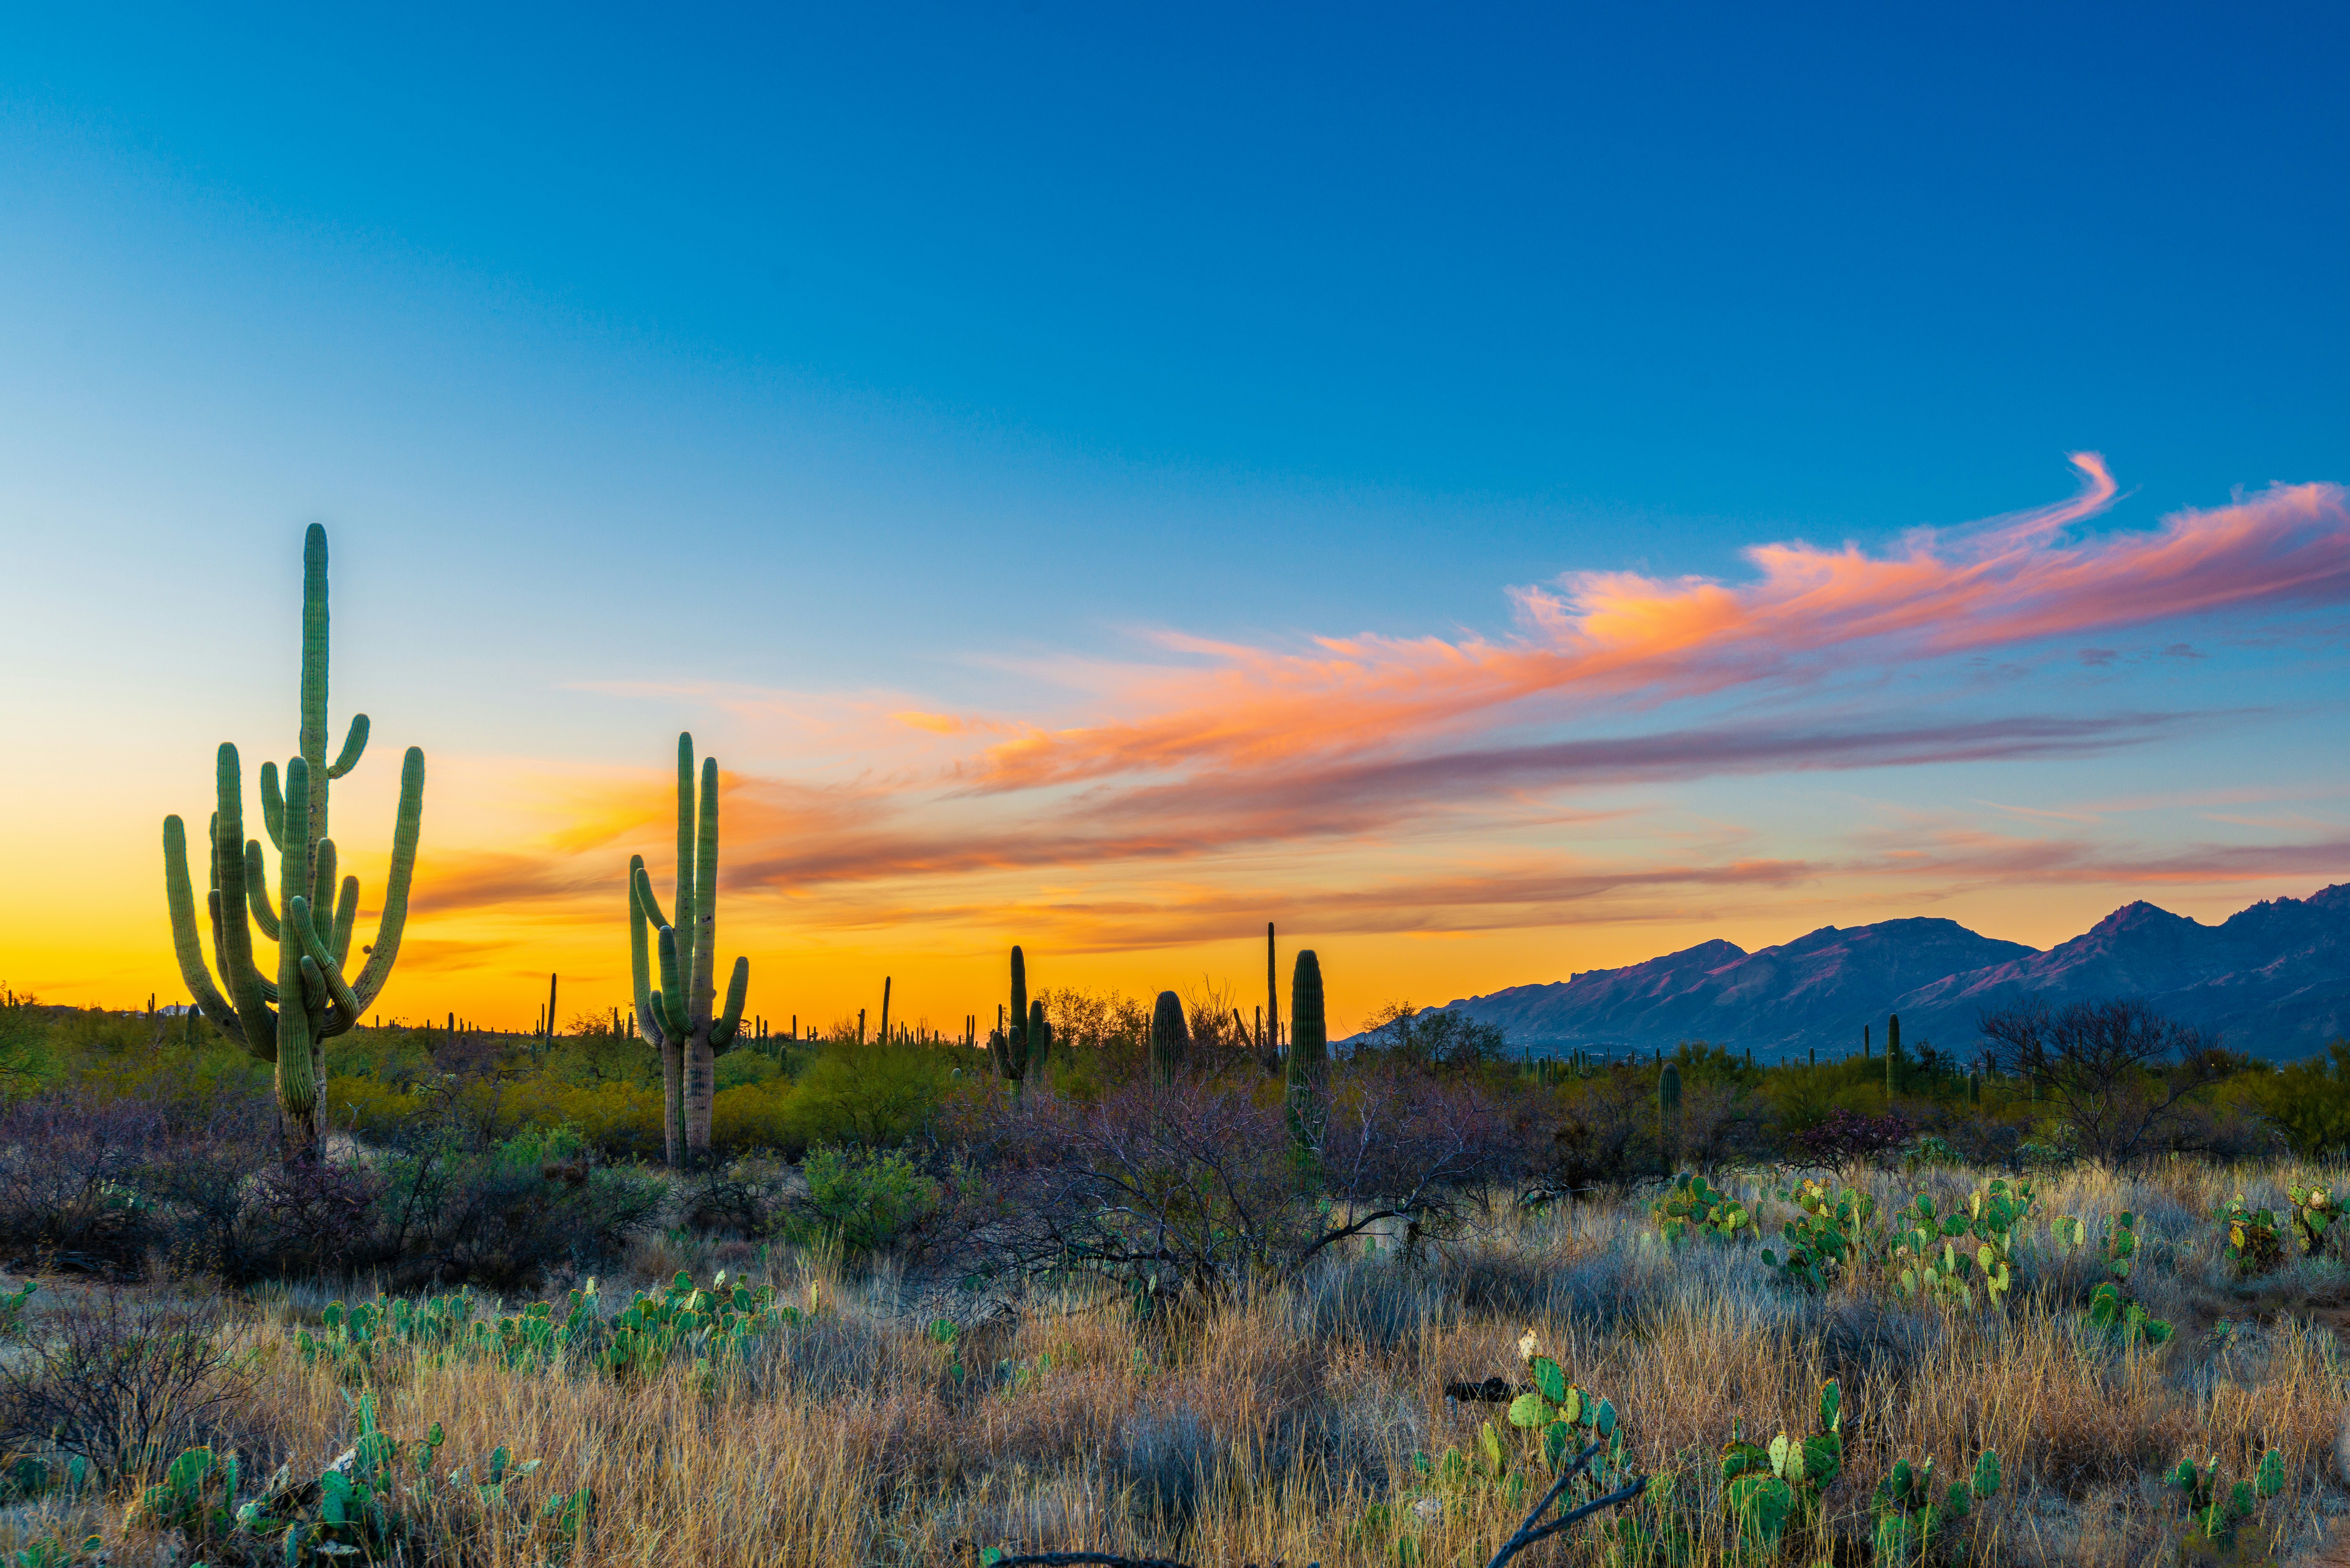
{"points": [[1614, 638]]}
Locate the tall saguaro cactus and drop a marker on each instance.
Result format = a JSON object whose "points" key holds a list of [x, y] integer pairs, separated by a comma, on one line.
{"points": [[1309, 1046], [288, 1019], [679, 1017], [1012, 1034], [1171, 1038]]}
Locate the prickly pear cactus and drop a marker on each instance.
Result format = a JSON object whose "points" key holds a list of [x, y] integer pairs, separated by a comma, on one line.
{"points": [[1696, 1208], [2314, 1216], [2123, 1321], [2255, 1238], [1910, 1523], [1829, 1235], [2215, 1516], [1770, 1489]]}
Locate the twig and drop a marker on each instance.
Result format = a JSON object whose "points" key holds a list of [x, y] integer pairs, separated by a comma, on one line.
{"points": [[1529, 1532]]}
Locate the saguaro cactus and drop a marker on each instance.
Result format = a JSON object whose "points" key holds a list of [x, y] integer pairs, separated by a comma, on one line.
{"points": [[1171, 1038], [288, 1019], [1309, 1046], [1896, 1066], [678, 1017], [1012, 1050]]}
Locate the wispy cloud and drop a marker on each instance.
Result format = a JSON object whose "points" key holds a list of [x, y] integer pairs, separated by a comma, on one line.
{"points": [[1368, 783], [1621, 639]]}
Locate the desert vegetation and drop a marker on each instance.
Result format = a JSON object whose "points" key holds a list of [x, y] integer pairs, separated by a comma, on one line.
{"points": [[1163, 1298]]}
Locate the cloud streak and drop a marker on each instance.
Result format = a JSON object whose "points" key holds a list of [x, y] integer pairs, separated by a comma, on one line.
{"points": [[1614, 640]]}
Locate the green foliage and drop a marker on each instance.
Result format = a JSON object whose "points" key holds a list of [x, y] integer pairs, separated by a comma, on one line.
{"points": [[2309, 1102], [2214, 1516], [1946, 1258], [868, 1199], [2255, 1238], [1828, 1235], [2123, 1320], [1694, 1207], [1910, 1523], [363, 1507], [713, 1326], [872, 1096], [2117, 1241], [1768, 1487], [2315, 1215]]}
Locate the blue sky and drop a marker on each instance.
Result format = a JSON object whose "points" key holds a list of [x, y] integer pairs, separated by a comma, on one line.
{"points": [[946, 357]]}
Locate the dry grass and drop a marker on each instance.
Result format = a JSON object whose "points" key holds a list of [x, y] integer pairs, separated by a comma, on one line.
{"points": [[1260, 1432]]}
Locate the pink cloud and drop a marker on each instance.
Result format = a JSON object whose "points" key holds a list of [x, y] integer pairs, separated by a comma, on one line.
{"points": [[1611, 638]]}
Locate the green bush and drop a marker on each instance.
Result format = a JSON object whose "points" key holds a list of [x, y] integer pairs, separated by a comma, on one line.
{"points": [[875, 1097], [868, 1199]]}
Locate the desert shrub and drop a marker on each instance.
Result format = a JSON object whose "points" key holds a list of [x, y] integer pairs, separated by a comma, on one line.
{"points": [[868, 1199], [451, 1208], [1431, 1040], [2309, 1102], [1847, 1140], [873, 1096], [119, 1381], [1196, 1187], [757, 1115], [1604, 1133], [69, 1194]]}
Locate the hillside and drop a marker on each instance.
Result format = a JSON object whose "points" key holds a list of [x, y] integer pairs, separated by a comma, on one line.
{"points": [[2274, 979]]}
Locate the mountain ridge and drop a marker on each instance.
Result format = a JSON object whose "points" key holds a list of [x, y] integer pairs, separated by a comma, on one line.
{"points": [[2274, 979]]}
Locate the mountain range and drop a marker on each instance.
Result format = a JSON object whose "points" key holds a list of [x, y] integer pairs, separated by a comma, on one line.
{"points": [[2273, 980]]}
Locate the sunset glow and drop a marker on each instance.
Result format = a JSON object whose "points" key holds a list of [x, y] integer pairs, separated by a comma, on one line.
{"points": [[1570, 544]]}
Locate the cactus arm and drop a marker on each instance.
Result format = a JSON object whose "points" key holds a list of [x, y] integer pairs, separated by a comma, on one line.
{"points": [[354, 743], [237, 974], [321, 890], [673, 1005], [640, 890], [256, 891], [273, 806], [187, 945], [369, 984], [705, 900], [347, 915], [684, 894], [646, 901], [315, 995], [738, 985], [294, 859], [329, 974]]}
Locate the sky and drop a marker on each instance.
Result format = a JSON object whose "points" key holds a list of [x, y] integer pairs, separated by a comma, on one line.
{"points": [[1498, 494]]}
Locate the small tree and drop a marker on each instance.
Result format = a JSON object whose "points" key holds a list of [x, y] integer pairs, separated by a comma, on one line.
{"points": [[2120, 1071]]}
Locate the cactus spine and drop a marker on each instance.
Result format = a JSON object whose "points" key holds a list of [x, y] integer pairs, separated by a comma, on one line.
{"points": [[309, 920], [679, 1016], [1171, 1038]]}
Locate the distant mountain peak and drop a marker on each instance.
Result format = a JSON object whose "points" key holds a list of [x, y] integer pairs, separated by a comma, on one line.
{"points": [[2274, 979]]}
